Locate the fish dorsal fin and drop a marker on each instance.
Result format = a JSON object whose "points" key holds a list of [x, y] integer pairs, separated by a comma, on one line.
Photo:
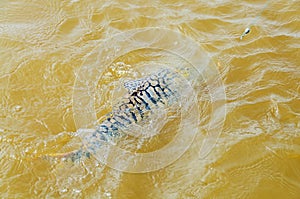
{"points": [[133, 85]]}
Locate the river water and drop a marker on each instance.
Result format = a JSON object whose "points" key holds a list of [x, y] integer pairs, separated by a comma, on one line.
{"points": [[63, 65]]}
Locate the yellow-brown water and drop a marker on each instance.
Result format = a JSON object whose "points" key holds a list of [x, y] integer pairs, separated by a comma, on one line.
{"points": [[44, 44]]}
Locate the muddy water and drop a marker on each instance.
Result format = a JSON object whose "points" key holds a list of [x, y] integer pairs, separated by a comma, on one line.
{"points": [[46, 46]]}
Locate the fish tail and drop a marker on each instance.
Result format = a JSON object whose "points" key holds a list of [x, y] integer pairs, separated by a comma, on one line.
{"points": [[73, 155]]}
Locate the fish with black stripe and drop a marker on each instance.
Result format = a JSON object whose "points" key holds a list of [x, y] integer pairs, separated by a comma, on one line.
{"points": [[144, 95]]}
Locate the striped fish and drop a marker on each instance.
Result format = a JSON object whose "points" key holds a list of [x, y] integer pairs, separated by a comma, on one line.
{"points": [[144, 95]]}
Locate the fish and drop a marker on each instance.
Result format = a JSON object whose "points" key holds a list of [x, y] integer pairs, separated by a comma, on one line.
{"points": [[144, 95]]}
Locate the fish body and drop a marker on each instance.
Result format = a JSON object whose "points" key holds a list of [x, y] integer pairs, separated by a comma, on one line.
{"points": [[144, 95]]}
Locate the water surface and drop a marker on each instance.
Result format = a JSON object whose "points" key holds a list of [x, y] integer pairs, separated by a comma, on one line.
{"points": [[45, 44]]}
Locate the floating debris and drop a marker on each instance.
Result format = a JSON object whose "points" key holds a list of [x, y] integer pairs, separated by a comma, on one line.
{"points": [[247, 30]]}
